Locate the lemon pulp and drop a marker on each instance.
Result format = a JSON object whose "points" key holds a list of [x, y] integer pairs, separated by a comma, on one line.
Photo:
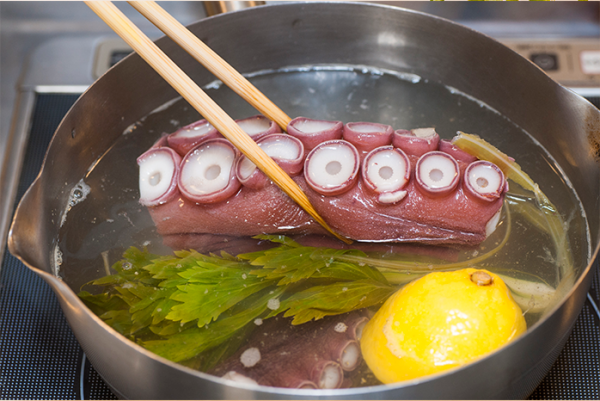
{"points": [[440, 321]]}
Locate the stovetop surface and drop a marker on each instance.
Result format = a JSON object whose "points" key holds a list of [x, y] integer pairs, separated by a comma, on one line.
{"points": [[40, 357]]}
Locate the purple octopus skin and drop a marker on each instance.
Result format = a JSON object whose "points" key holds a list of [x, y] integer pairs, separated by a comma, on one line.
{"points": [[398, 192], [317, 354]]}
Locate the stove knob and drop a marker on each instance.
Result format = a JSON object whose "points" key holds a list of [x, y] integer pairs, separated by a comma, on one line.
{"points": [[546, 61]]}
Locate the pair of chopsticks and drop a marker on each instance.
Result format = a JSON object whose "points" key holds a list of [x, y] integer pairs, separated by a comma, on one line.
{"points": [[191, 92]]}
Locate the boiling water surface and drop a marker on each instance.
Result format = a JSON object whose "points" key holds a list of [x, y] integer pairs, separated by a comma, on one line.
{"points": [[98, 230]]}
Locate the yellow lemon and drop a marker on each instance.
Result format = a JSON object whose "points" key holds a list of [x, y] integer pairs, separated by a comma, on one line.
{"points": [[440, 321]]}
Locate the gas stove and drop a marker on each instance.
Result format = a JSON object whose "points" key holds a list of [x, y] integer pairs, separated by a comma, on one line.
{"points": [[55, 59]]}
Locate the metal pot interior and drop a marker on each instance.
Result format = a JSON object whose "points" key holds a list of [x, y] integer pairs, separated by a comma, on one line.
{"points": [[369, 63]]}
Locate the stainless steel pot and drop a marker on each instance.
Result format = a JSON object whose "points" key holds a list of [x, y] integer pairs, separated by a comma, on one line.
{"points": [[303, 34]]}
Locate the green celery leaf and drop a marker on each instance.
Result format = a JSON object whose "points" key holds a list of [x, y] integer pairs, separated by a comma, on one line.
{"points": [[210, 293], [127, 295], [169, 328], [288, 265], [292, 264], [208, 359], [111, 280], [150, 296], [103, 303], [132, 265], [350, 271], [162, 310], [278, 239], [168, 267], [227, 256], [332, 299], [142, 318], [120, 320], [190, 342]]}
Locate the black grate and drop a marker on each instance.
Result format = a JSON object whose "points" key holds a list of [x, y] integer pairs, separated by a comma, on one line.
{"points": [[41, 359], [595, 100], [576, 373], [38, 349], [39, 355]]}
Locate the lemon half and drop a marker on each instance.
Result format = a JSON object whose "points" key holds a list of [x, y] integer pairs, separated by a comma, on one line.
{"points": [[438, 322]]}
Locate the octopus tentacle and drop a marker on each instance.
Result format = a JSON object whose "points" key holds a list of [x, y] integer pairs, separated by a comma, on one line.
{"points": [[294, 376], [159, 172], [248, 174], [238, 378], [286, 150], [311, 355], [350, 356], [403, 191], [162, 141], [207, 174]]}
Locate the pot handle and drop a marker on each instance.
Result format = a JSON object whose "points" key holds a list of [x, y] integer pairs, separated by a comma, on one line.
{"points": [[219, 7]]}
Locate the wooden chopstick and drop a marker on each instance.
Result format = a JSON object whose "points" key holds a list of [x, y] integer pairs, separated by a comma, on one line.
{"points": [[191, 92], [211, 60]]}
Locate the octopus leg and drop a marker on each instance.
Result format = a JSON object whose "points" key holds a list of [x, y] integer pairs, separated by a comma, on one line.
{"points": [[312, 354], [398, 192]]}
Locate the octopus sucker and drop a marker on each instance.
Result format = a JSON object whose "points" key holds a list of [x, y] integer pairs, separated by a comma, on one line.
{"points": [[258, 126], [410, 187], [386, 171], [188, 137], [437, 173], [484, 181], [206, 173], [416, 142], [159, 172], [286, 150], [331, 168], [367, 136], [313, 132], [191, 135]]}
